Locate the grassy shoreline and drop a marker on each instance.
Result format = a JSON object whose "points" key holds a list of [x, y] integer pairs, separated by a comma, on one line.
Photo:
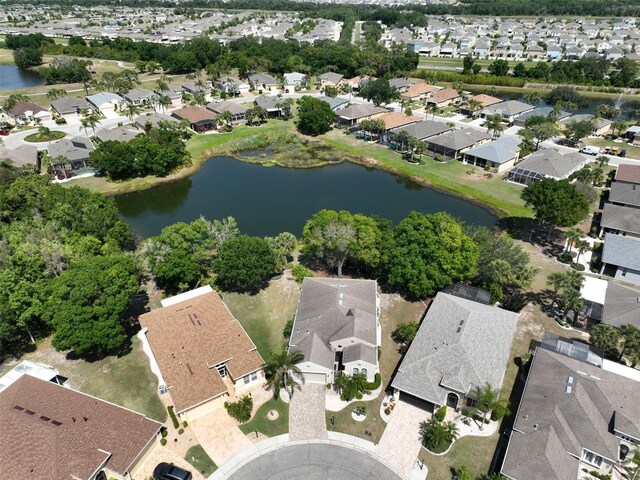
{"points": [[451, 178]]}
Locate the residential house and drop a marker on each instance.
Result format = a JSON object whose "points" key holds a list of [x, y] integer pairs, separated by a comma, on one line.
{"points": [[50, 431], [237, 110], [554, 52], [198, 87], [337, 328], [620, 219], [633, 135], [294, 81], [329, 79], [233, 86], [484, 100], [499, 155], [174, 93], [336, 103], [577, 414], [263, 82], [140, 97], [70, 107], [449, 50], [200, 119], [546, 112], [419, 91], [444, 97], [535, 52], [621, 258], [424, 129], [609, 303], [394, 120], [353, 115], [154, 120], [28, 112], [124, 133], [627, 194], [601, 126], [106, 103], [508, 110], [274, 106], [450, 145], [202, 354], [628, 174], [546, 163], [400, 84], [22, 156], [70, 157], [613, 54], [461, 345]]}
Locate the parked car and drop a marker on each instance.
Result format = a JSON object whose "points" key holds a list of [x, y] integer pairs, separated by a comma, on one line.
{"points": [[615, 150], [590, 150], [623, 153], [168, 471], [4, 133]]}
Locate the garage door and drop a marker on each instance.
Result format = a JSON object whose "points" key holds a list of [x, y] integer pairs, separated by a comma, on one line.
{"points": [[315, 378], [416, 402]]}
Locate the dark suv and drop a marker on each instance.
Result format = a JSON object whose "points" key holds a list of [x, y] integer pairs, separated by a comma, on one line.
{"points": [[168, 471]]}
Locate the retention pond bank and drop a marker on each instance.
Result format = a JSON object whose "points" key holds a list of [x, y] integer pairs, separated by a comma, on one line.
{"points": [[270, 200]]}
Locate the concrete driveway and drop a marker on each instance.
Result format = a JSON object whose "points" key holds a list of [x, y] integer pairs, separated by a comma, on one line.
{"points": [[400, 443], [307, 420], [219, 435], [168, 454]]}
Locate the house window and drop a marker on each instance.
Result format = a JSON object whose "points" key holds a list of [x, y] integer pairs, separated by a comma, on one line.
{"points": [[364, 371], [247, 379], [356, 371], [254, 376], [592, 458]]}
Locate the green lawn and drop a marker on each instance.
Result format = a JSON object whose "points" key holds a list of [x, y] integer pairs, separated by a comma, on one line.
{"points": [[474, 452], [453, 177], [197, 457], [265, 314], [457, 62], [632, 150], [262, 424], [125, 380], [45, 137]]}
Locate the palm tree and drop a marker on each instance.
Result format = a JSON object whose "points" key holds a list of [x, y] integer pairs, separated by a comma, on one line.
{"points": [[282, 372], [570, 300], [90, 122], [164, 102], [474, 106], [495, 125], [131, 111], [378, 126], [487, 400], [224, 120], [556, 280], [250, 116], [365, 126], [56, 93], [582, 246], [260, 113], [401, 138], [433, 109], [572, 235]]}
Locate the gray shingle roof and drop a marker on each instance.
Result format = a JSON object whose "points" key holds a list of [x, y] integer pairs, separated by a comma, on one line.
{"points": [[554, 423], [334, 102], [359, 111], [20, 156], [154, 119], [551, 163], [617, 217], [541, 112], [621, 251], [269, 103], [262, 79], [234, 108], [626, 193], [104, 97], [498, 151], [621, 306], [77, 148], [331, 77], [461, 344], [508, 107], [67, 105], [332, 310], [139, 94], [424, 129], [459, 139], [118, 134]]}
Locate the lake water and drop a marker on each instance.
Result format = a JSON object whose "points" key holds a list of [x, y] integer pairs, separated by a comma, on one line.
{"points": [[270, 200], [11, 77]]}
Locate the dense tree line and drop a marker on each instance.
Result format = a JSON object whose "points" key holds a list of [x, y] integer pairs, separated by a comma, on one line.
{"points": [[65, 267]]}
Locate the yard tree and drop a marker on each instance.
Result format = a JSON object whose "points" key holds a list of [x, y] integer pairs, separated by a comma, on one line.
{"points": [[499, 68], [607, 111], [328, 235], [25, 58], [503, 265], [467, 65], [606, 337], [86, 304], [429, 252], [116, 159], [488, 400], [543, 131], [405, 332], [556, 202], [494, 124], [570, 300], [576, 131], [379, 91], [243, 263], [520, 70], [283, 373], [567, 97], [631, 343], [282, 246], [315, 116]]}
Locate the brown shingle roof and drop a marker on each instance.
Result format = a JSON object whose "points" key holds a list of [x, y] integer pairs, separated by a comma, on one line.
{"points": [[486, 100], [419, 89], [397, 119], [194, 114], [189, 339], [20, 108], [444, 95], [628, 173], [68, 435]]}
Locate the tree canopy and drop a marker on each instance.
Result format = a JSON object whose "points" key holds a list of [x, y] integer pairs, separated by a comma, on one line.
{"points": [[243, 263], [315, 116], [556, 202]]}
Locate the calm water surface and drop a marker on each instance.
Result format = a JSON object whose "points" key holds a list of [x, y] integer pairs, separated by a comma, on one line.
{"points": [[266, 201], [12, 77]]}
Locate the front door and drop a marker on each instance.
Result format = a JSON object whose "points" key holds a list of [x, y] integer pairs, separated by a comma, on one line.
{"points": [[452, 400]]}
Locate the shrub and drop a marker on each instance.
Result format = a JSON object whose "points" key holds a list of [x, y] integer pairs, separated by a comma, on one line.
{"points": [[288, 328], [172, 414], [361, 410], [181, 431], [351, 387], [60, 121], [565, 258], [240, 410], [437, 436], [163, 441], [300, 272], [578, 266], [185, 424], [499, 412], [164, 432], [441, 413], [377, 381]]}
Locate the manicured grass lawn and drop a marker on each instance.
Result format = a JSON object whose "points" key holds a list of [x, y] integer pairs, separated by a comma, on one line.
{"points": [[474, 452], [265, 314], [451, 176], [457, 62], [262, 424], [44, 137], [197, 457], [632, 150], [395, 311], [125, 380]]}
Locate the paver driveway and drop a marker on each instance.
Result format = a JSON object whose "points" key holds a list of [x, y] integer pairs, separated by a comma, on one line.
{"points": [[307, 420], [219, 435], [400, 442]]}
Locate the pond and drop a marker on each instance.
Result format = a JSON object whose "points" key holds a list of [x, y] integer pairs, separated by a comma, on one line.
{"points": [[270, 200], [11, 77]]}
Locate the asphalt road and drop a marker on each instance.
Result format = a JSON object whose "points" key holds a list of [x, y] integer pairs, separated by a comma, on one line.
{"points": [[314, 461]]}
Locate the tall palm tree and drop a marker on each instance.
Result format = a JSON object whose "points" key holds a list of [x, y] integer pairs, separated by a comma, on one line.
{"points": [[283, 372], [164, 102], [90, 122], [495, 125], [487, 400], [572, 235], [582, 246], [401, 138], [556, 280], [131, 111], [433, 109], [224, 120], [474, 106]]}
